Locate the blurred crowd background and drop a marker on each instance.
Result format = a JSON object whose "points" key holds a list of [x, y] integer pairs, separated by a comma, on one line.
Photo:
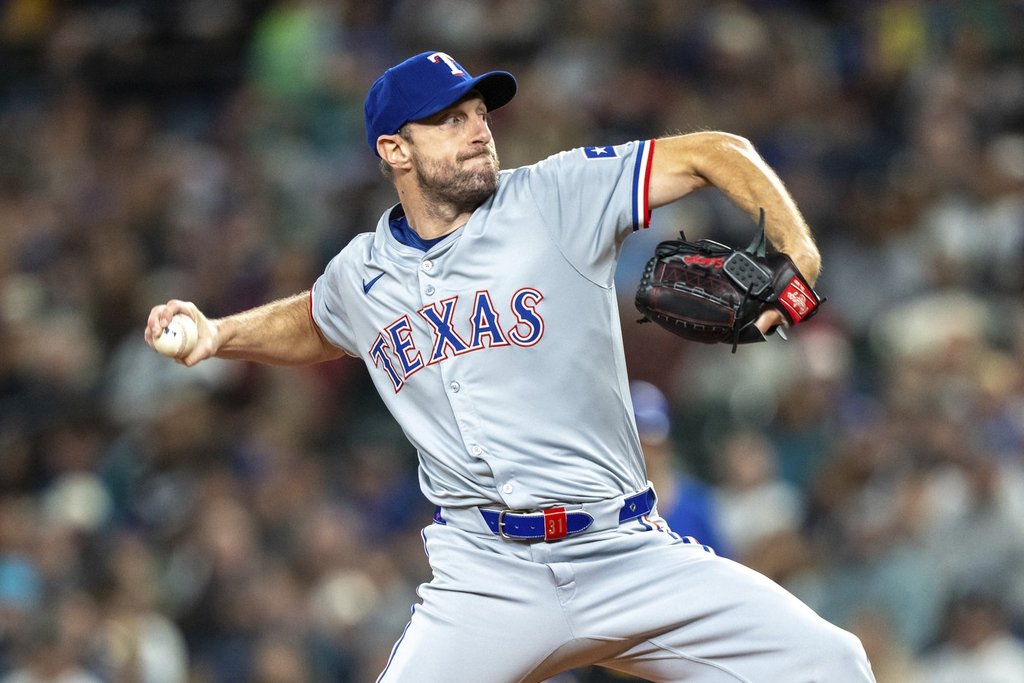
{"points": [[235, 522]]}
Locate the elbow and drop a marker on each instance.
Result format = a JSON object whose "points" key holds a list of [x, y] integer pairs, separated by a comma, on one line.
{"points": [[730, 142], [725, 150]]}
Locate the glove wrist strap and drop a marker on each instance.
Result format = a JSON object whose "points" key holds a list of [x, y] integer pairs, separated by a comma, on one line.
{"points": [[798, 300]]}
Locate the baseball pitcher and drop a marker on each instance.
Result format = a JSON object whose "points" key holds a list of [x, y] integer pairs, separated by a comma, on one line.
{"points": [[484, 309]]}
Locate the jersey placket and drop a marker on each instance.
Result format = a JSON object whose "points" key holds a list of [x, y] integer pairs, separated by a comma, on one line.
{"points": [[459, 391]]}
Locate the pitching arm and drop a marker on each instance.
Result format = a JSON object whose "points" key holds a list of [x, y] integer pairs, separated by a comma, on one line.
{"points": [[279, 333]]}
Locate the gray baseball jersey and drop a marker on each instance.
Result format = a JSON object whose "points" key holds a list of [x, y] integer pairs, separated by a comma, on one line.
{"points": [[499, 349]]}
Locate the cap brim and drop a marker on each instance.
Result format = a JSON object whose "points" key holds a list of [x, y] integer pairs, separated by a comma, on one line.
{"points": [[497, 88]]}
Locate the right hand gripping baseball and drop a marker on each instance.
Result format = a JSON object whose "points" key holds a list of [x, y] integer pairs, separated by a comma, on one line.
{"points": [[160, 317]]}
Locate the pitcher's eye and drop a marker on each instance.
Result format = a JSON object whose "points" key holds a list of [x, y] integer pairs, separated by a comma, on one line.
{"points": [[452, 119]]}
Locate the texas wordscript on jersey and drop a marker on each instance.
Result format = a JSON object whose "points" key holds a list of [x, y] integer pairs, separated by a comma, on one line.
{"points": [[397, 352]]}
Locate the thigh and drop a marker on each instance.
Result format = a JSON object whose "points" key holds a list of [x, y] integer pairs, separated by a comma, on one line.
{"points": [[689, 615], [488, 614]]}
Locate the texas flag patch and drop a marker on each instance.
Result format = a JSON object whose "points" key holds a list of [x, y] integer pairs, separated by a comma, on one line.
{"points": [[600, 152]]}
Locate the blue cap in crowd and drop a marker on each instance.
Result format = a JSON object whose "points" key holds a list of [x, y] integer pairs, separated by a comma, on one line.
{"points": [[651, 410], [424, 85]]}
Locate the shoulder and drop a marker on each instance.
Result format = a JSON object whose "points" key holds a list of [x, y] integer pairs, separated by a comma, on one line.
{"points": [[359, 245], [358, 250]]}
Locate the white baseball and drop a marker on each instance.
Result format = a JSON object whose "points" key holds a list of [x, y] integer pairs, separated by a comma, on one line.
{"points": [[179, 337]]}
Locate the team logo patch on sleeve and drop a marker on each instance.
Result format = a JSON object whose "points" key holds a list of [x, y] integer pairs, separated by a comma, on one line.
{"points": [[600, 152]]}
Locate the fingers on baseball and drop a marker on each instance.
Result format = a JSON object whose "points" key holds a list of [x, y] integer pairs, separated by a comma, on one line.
{"points": [[160, 318]]}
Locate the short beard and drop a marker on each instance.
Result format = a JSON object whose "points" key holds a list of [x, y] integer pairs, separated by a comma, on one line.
{"points": [[446, 184]]}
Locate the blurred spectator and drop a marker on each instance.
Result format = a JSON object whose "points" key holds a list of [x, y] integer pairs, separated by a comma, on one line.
{"points": [[281, 661], [754, 504], [135, 640], [977, 645], [21, 585], [892, 661], [53, 648], [686, 503]]}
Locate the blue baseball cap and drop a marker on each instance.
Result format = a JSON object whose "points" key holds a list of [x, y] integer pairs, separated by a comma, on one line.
{"points": [[424, 85]]}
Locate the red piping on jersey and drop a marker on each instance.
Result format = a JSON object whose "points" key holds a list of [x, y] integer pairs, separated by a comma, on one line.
{"points": [[310, 308], [647, 182]]}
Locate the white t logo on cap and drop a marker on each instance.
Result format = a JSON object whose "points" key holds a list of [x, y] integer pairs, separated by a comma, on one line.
{"points": [[440, 56]]}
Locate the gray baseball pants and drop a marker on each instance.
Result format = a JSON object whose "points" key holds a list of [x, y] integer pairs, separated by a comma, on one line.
{"points": [[636, 598]]}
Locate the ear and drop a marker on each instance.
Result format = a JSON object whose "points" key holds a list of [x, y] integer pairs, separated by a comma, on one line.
{"points": [[395, 151]]}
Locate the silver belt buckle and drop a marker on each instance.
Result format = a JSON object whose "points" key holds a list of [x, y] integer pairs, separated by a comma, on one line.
{"points": [[501, 524]]}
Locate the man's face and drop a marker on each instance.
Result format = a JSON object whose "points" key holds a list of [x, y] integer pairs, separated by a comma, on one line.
{"points": [[453, 155]]}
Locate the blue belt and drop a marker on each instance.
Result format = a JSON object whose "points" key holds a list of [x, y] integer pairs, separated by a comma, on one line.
{"points": [[555, 523]]}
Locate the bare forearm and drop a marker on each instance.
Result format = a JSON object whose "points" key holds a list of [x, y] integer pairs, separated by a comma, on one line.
{"points": [[279, 333], [731, 164]]}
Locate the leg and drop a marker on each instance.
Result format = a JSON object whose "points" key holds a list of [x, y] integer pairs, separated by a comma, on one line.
{"points": [[489, 614], [817, 655], [706, 619]]}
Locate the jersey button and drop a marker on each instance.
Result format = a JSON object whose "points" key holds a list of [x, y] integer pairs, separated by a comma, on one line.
{"points": [[427, 265], [429, 289], [455, 386], [506, 489]]}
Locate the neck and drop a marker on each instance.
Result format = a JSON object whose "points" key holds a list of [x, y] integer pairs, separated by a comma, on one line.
{"points": [[431, 219]]}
